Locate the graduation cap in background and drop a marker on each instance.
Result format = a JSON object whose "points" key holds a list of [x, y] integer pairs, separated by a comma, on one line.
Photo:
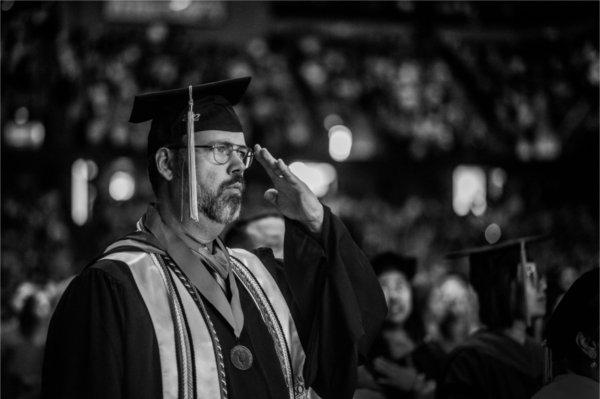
{"points": [[233, 234], [177, 113], [493, 272], [393, 261], [576, 312], [267, 232]]}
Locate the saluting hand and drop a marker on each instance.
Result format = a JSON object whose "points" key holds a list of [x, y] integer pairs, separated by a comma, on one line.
{"points": [[290, 195]]}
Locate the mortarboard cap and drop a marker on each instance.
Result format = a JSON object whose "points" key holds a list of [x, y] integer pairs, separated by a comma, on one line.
{"points": [[393, 261], [577, 311], [490, 250], [493, 270], [212, 105]]}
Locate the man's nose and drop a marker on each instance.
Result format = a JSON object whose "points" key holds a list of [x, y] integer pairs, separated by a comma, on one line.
{"points": [[237, 163]]}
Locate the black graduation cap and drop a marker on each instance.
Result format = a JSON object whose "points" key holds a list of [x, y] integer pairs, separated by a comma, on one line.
{"points": [[576, 311], [493, 270], [390, 260], [212, 105], [175, 113]]}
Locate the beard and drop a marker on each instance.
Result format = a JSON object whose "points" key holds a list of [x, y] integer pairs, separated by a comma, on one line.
{"points": [[221, 206]]}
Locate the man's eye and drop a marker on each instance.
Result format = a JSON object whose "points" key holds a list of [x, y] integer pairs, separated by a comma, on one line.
{"points": [[221, 148]]}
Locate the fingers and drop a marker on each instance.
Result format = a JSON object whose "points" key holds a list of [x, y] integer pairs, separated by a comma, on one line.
{"points": [[275, 168], [264, 157], [382, 364], [383, 368], [390, 369], [286, 172]]}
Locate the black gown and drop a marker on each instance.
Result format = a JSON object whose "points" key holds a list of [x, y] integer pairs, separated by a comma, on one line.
{"points": [[491, 365], [101, 342]]}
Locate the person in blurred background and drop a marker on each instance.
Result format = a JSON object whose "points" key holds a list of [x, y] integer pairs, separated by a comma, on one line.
{"points": [[451, 317], [499, 360], [392, 371], [560, 278], [170, 311], [263, 229], [572, 337], [23, 346]]}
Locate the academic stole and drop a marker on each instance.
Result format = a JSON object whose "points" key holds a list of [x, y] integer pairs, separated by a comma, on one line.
{"points": [[160, 280], [185, 363]]}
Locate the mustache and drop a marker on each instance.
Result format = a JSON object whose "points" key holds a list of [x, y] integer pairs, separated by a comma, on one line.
{"points": [[234, 180]]}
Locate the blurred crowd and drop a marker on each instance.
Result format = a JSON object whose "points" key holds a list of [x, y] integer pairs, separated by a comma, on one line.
{"points": [[522, 99]]}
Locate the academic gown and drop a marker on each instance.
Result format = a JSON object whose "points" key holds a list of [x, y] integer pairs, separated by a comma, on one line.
{"points": [[569, 386], [492, 365], [101, 342]]}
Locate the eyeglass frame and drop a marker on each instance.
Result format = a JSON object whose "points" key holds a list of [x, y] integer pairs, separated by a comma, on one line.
{"points": [[231, 149]]}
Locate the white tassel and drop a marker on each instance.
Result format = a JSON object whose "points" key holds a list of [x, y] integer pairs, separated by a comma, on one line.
{"points": [[193, 200]]}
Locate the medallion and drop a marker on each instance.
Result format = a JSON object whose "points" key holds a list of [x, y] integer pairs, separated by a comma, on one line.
{"points": [[241, 357]]}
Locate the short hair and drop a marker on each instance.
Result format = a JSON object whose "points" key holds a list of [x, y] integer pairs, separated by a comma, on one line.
{"points": [[390, 260], [153, 174], [498, 291], [576, 312], [153, 147]]}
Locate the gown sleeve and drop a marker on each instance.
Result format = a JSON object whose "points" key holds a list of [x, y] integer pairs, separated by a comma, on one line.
{"points": [[83, 345], [335, 299]]}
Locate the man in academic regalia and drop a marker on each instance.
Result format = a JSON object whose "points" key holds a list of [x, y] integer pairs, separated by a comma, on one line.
{"points": [[499, 360], [169, 311]]}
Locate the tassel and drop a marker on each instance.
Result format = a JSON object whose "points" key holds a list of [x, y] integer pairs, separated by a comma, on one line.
{"points": [[524, 277], [193, 200]]}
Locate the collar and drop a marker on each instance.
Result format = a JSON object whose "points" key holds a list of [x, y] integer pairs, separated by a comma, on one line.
{"points": [[193, 267]]}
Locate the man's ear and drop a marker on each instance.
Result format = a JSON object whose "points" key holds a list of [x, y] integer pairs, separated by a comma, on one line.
{"points": [[587, 346], [165, 162]]}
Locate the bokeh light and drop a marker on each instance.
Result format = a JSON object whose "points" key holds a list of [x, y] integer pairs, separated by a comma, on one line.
{"points": [[493, 233], [121, 186], [317, 176], [340, 142]]}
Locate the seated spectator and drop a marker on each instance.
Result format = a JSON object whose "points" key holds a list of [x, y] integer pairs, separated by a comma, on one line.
{"points": [[391, 371], [452, 317], [572, 337], [23, 346]]}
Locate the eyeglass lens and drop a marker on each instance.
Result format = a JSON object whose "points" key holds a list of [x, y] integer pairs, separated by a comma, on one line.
{"points": [[223, 153]]}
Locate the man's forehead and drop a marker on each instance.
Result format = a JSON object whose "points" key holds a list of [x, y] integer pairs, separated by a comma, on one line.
{"points": [[219, 136]]}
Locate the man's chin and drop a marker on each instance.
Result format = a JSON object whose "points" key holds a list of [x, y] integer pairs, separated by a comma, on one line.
{"points": [[230, 213]]}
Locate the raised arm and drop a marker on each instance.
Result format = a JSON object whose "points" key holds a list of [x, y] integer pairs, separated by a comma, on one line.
{"points": [[332, 291]]}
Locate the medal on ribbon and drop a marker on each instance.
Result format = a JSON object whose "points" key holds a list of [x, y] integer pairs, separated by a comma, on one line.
{"points": [[241, 357]]}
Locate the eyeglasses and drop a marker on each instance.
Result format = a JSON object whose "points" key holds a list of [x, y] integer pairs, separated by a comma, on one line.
{"points": [[222, 152]]}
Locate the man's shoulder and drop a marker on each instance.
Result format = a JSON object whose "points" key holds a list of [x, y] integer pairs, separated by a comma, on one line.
{"points": [[136, 241], [119, 253], [112, 270]]}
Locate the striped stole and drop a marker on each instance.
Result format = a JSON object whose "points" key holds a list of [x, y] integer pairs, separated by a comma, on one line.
{"points": [[195, 369]]}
